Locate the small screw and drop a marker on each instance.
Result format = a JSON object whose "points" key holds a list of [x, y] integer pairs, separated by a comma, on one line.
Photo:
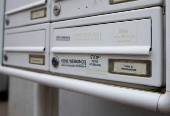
{"points": [[7, 21], [56, 9], [5, 57]]}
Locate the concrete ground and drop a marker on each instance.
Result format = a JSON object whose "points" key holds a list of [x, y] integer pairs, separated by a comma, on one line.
{"points": [[3, 108]]}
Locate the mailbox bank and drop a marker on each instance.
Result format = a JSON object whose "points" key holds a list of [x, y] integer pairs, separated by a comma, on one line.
{"points": [[115, 46]]}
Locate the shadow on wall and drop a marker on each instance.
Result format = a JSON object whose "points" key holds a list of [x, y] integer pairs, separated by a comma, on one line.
{"points": [[4, 88]]}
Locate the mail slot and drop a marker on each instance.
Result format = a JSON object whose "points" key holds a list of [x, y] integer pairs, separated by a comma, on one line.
{"points": [[26, 12], [83, 8], [126, 47], [27, 47]]}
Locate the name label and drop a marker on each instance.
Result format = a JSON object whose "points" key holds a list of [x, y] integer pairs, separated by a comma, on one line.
{"points": [[40, 60], [38, 14], [126, 35], [94, 36], [130, 67]]}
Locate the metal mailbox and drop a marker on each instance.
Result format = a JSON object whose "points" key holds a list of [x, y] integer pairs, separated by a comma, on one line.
{"points": [[126, 47], [26, 12], [70, 9], [27, 47], [112, 49]]}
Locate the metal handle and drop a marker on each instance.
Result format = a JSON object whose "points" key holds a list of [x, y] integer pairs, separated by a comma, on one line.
{"points": [[24, 49], [39, 3], [123, 50]]}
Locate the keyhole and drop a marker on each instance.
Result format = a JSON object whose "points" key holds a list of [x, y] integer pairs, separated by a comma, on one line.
{"points": [[56, 9]]}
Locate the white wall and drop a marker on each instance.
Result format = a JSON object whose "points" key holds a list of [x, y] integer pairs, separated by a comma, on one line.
{"points": [[21, 97], [75, 104], [28, 98]]}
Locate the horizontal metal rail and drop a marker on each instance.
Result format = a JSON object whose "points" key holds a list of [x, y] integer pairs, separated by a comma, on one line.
{"points": [[39, 3], [138, 98], [24, 49], [128, 50]]}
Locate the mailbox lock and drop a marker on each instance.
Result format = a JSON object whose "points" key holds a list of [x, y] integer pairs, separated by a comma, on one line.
{"points": [[5, 57], [55, 61], [56, 9], [7, 21]]}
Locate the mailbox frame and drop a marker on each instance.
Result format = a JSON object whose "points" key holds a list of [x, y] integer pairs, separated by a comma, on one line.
{"points": [[155, 101]]}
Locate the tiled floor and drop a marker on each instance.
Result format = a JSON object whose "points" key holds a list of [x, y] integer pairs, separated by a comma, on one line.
{"points": [[3, 108]]}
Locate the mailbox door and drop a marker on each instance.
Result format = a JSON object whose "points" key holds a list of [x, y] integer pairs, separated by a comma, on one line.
{"points": [[69, 9], [126, 47], [26, 12], [27, 47]]}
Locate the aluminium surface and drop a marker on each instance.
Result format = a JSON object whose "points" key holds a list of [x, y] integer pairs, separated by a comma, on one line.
{"points": [[133, 97], [70, 9], [77, 45], [27, 47], [26, 12]]}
